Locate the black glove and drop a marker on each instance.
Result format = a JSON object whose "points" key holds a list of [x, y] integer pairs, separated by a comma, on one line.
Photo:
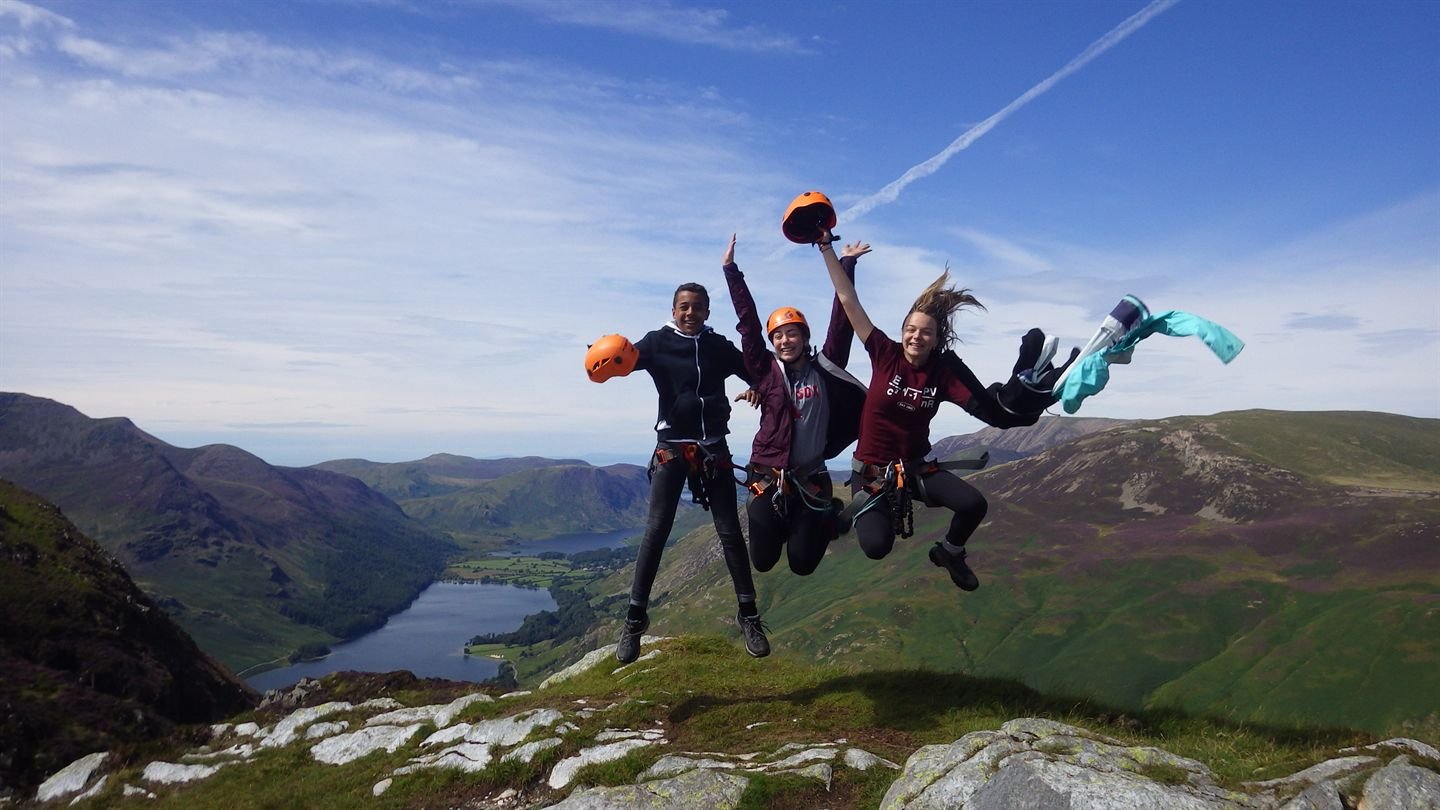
{"points": [[1028, 390]]}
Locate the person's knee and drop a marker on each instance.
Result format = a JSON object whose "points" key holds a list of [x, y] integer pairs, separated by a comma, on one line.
{"points": [[763, 563], [876, 548], [803, 568], [980, 506]]}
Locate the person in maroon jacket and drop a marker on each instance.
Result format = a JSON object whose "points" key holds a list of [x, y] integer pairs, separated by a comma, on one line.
{"points": [[809, 412], [909, 379]]}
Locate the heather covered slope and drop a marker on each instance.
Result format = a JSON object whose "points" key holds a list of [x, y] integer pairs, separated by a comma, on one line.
{"points": [[1257, 565], [485, 502], [253, 560], [87, 661]]}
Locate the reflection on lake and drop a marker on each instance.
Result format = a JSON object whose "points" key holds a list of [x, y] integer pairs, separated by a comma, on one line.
{"points": [[428, 638]]}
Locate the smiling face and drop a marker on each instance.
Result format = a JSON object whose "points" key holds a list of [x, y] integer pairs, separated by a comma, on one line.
{"points": [[790, 343], [919, 337], [690, 311]]}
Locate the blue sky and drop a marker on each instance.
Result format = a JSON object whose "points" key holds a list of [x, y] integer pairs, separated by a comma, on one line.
{"points": [[384, 229]]}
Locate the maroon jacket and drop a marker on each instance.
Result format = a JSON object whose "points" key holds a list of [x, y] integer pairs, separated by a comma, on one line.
{"points": [[844, 393]]}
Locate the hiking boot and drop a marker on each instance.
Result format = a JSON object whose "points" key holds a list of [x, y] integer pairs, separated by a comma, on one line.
{"points": [[628, 648], [755, 642], [960, 573]]}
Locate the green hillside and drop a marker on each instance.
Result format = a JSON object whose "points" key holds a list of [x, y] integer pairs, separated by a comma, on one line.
{"points": [[1195, 562], [87, 661], [1348, 448], [538, 503]]}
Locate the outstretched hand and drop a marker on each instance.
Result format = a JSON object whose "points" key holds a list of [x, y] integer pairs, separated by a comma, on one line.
{"points": [[856, 249], [729, 252], [749, 395]]}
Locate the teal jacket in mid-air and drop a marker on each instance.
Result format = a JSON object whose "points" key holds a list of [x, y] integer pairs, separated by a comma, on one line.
{"points": [[1092, 372]]}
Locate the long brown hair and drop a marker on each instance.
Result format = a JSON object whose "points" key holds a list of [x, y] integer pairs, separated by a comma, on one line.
{"points": [[941, 301]]}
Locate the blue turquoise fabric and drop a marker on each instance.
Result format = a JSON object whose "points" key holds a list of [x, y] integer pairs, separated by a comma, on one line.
{"points": [[1092, 372]]}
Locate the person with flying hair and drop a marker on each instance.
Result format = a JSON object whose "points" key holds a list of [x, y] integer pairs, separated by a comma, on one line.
{"points": [[909, 379]]}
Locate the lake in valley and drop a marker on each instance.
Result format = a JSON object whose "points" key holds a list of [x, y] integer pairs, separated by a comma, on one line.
{"points": [[428, 638]]}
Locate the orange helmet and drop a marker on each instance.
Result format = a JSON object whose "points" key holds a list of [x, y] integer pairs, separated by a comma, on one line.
{"points": [[610, 356], [807, 217], [785, 315]]}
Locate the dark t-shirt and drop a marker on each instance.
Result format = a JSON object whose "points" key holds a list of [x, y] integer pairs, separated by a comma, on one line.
{"points": [[902, 400]]}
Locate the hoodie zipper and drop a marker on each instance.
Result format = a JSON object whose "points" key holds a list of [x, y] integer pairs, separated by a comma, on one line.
{"points": [[704, 435]]}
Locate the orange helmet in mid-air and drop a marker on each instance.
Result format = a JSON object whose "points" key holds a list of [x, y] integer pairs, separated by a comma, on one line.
{"points": [[610, 356], [808, 217], [785, 315]]}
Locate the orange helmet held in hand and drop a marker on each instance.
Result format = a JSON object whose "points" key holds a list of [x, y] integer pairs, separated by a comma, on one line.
{"points": [[785, 315], [808, 217], [610, 356]]}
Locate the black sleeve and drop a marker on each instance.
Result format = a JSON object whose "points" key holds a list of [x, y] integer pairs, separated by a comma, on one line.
{"points": [[985, 403], [731, 359]]}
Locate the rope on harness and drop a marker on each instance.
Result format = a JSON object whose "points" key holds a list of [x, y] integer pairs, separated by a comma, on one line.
{"points": [[788, 485], [899, 484], [902, 507]]}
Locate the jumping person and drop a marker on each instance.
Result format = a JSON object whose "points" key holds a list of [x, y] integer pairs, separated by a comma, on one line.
{"points": [[809, 412], [908, 381], [688, 362]]}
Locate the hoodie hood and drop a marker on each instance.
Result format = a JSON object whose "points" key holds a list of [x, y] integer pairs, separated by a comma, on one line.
{"points": [[672, 326]]}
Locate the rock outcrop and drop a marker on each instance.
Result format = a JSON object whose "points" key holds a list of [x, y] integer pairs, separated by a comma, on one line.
{"points": [[1025, 763]]}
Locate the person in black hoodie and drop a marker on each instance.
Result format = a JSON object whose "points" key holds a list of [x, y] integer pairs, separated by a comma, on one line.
{"points": [[809, 412], [689, 362]]}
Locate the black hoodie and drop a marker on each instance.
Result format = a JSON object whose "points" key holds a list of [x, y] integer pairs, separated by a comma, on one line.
{"points": [[689, 374]]}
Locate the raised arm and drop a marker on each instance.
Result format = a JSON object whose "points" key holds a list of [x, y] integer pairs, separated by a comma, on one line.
{"points": [[752, 335], [845, 290], [840, 333]]}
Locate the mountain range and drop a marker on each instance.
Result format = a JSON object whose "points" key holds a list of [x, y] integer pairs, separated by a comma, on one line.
{"points": [[1276, 566], [253, 560], [1256, 565], [257, 561]]}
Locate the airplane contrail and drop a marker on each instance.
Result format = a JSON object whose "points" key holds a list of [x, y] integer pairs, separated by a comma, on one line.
{"points": [[891, 191]]}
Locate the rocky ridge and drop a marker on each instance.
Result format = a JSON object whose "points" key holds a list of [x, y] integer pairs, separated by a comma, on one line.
{"points": [[1027, 762]]}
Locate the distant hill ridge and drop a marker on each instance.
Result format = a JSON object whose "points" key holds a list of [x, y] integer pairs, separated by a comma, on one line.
{"points": [[436, 474], [1015, 443], [484, 502]]}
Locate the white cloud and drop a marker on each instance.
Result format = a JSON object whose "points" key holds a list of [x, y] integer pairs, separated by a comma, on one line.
{"points": [[230, 238], [30, 16], [660, 20], [1005, 252], [231, 249]]}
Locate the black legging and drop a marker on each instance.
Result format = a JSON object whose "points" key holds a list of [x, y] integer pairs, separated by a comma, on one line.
{"points": [[667, 481], [876, 531], [803, 533]]}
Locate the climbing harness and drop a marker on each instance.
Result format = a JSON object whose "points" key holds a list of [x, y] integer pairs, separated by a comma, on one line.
{"points": [[788, 485], [701, 466], [899, 483]]}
